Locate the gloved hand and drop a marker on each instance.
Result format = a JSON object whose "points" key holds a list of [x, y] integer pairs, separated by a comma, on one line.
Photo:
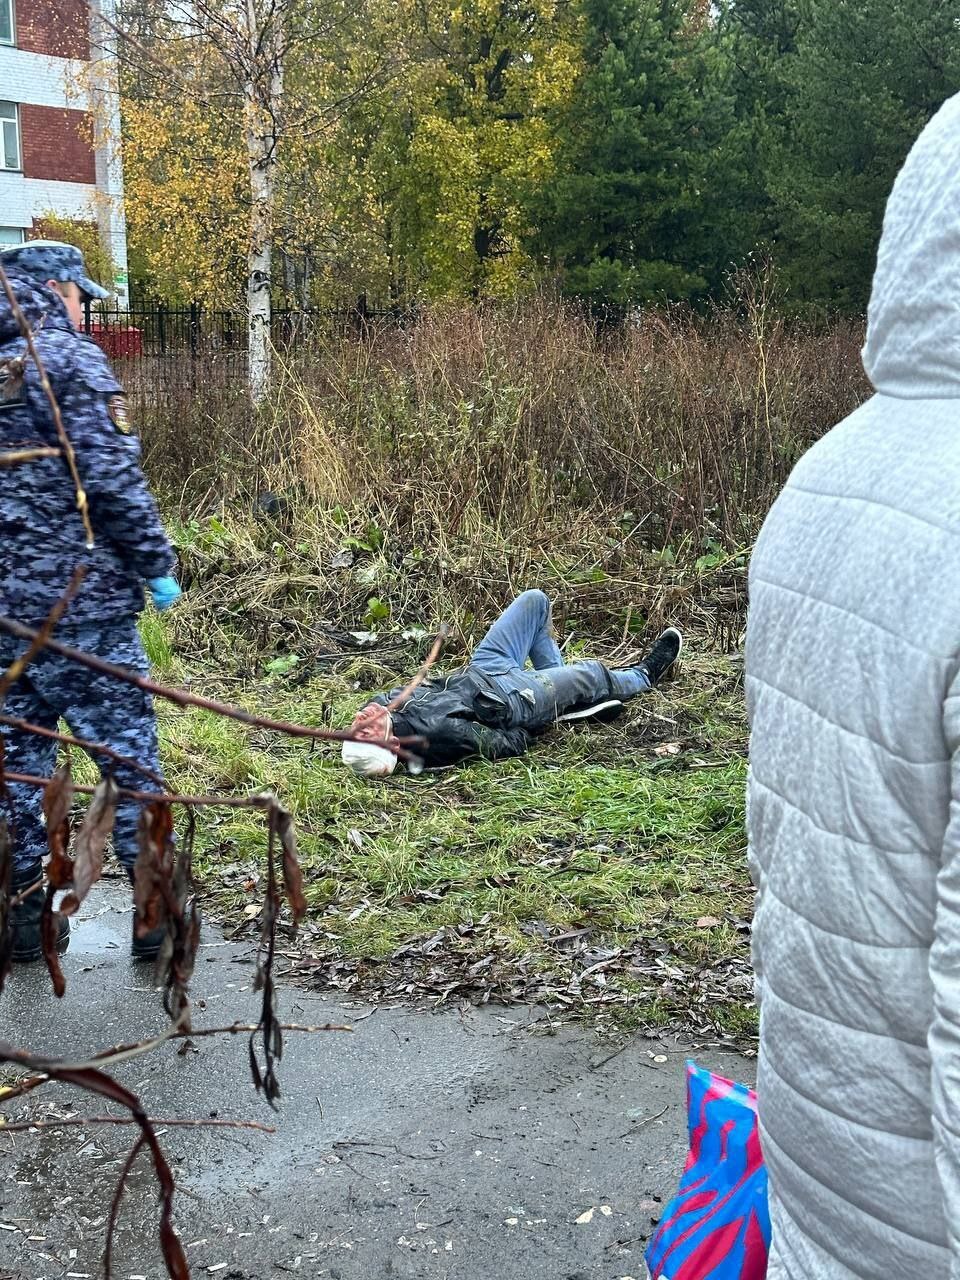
{"points": [[164, 591]]}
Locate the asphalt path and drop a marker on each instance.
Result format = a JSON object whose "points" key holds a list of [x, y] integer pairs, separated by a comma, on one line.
{"points": [[475, 1143]]}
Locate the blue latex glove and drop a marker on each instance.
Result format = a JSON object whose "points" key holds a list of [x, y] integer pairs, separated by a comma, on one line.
{"points": [[164, 591]]}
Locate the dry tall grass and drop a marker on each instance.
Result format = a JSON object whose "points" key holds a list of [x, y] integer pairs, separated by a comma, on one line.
{"points": [[481, 449]]}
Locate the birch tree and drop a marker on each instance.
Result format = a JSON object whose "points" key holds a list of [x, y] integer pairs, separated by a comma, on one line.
{"points": [[273, 75], [261, 67]]}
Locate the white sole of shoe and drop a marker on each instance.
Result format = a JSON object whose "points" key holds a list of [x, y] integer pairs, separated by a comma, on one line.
{"points": [[674, 631], [602, 711]]}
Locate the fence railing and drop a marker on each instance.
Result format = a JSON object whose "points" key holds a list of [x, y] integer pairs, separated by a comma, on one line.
{"points": [[160, 330]]}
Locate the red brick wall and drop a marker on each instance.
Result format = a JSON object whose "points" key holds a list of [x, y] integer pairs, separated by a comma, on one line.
{"points": [[55, 27], [57, 144]]}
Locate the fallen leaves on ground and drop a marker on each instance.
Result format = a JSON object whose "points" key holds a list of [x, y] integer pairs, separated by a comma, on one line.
{"points": [[569, 970]]}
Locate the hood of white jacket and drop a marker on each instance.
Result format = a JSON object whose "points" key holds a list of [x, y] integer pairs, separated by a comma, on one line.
{"points": [[913, 332]]}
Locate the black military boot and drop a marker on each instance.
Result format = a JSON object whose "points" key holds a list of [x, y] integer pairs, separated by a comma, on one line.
{"points": [[25, 917], [148, 947], [662, 656]]}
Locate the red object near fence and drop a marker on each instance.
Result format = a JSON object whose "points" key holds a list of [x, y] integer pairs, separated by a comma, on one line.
{"points": [[116, 340]]}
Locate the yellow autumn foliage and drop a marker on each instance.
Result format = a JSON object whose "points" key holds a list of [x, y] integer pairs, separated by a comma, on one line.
{"points": [[416, 186]]}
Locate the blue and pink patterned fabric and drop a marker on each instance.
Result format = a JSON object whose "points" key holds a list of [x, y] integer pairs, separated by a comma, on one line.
{"points": [[717, 1227]]}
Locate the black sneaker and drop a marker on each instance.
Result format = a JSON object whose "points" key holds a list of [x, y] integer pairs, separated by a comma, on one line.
{"points": [[25, 918], [600, 713], [662, 656]]}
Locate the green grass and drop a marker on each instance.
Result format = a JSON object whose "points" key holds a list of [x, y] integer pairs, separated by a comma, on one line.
{"points": [[157, 644], [593, 829]]}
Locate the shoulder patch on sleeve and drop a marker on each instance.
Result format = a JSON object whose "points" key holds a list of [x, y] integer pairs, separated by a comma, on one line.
{"points": [[117, 409]]}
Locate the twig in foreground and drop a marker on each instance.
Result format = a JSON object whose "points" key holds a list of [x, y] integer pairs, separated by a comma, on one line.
{"points": [[184, 699], [26, 893], [115, 1204], [16, 456], [65, 1122], [262, 801], [41, 638], [120, 1051], [125, 1052], [421, 674], [94, 748], [95, 1081]]}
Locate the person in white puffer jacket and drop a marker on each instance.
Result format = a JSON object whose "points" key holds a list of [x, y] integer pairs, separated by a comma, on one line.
{"points": [[853, 687]]}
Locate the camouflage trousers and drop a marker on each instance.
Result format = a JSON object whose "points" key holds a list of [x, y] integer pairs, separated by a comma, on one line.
{"points": [[96, 708]]}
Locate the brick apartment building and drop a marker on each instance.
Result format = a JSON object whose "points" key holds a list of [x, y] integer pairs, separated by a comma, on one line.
{"points": [[59, 123]]}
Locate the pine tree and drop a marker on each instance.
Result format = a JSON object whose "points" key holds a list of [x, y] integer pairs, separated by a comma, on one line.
{"points": [[867, 77], [751, 54], [616, 213]]}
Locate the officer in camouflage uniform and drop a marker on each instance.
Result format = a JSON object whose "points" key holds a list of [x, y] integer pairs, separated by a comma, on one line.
{"points": [[42, 539]]}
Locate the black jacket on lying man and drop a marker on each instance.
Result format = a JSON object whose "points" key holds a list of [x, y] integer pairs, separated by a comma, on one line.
{"points": [[496, 706]]}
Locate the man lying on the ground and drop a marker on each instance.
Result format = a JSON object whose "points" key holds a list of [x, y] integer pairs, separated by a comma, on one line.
{"points": [[494, 707]]}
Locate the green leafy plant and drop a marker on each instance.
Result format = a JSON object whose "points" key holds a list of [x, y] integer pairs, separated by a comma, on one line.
{"points": [[370, 540], [283, 665], [377, 613]]}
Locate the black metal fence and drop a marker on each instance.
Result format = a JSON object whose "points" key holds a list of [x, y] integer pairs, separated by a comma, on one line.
{"points": [[157, 330]]}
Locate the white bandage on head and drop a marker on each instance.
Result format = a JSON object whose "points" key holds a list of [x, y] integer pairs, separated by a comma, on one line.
{"points": [[368, 760]]}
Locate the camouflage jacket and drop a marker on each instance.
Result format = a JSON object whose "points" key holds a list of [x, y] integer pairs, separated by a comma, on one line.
{"points": [[41, 532]]}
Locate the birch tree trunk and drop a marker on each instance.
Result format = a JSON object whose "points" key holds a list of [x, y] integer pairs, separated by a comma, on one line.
{"points": [[263, 93]]}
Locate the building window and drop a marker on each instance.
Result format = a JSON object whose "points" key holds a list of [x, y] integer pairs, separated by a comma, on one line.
{"points": [[7, 27], [11, 235], [9, 135]]}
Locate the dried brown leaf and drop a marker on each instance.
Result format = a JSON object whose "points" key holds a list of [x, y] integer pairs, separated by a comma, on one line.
{"points": [[292, 874], [57, 802], [49, 933], [153, 870], [268, 1028], [90, 844]]}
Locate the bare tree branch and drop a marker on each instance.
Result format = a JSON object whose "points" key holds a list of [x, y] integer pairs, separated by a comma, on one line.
{"points": [[41, 638], [421, 675], [115, 1204], [175, 1122], [16, 456], [94, 748], [262, 801], [184, 699]]}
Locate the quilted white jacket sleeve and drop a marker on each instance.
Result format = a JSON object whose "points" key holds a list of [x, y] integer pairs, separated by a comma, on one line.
{"points": [[945, 975]]}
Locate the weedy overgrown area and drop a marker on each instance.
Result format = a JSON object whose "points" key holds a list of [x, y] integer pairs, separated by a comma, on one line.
{"points": [[424, 473]]}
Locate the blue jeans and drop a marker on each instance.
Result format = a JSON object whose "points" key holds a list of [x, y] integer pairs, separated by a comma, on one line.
{"points": [[522, 634]]}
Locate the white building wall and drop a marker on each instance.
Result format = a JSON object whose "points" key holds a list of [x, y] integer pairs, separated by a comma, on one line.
{"points": [[23, 199], [37, 79], [42, 81]]}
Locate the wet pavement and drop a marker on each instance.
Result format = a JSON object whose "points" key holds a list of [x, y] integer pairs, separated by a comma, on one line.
{"points": [[469, 1144]]}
